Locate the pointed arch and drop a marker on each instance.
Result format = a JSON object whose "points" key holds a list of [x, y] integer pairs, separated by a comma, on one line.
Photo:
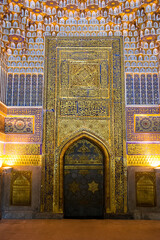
{"points": [[107, 157]]}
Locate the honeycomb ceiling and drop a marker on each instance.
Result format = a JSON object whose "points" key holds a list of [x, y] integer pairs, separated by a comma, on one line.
{"points": [[25, 23]]}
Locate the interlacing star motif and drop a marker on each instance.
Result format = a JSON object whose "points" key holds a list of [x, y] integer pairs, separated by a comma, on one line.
{"points": [[74, 187], [93, 186]]}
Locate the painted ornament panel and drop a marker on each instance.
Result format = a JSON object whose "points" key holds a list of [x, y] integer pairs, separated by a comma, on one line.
{"points": [[19, 125]]}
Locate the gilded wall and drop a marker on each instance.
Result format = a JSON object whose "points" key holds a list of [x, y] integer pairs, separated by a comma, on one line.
{"points": [[84, 95]]}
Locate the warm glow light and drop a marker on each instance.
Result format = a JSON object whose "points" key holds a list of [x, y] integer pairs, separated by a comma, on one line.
{"points": [[149, 38], [155, 164], [10, 163], [15, 38], [1, 162]]}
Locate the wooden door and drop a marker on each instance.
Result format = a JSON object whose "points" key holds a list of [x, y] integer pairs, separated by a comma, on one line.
{"points": [[83, 180]]}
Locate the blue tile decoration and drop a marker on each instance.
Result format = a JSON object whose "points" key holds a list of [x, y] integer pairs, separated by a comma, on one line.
{"points": [[21, 90], [19, 125], [24, 90], [137, 89], [131, 112], [28, 90], [140, 89], [40, 87], [34, 86], [149, 89], [15, 90], [129, 89], [156, 88], [9, 91], [143, 89], [146, 124], [28, 113]]}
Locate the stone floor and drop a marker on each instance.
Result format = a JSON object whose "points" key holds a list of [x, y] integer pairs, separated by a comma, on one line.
{"points": [[79, 229]]}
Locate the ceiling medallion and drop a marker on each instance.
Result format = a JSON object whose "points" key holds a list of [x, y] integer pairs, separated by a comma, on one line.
{"points": [[128, 10], [51, 4], [93, 7], [113, 3], [148, 38], [16, 1], [72, 7], [37, 10], [148, 1], [16, 38]]}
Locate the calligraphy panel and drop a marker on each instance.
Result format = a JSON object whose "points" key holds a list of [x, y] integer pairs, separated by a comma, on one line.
{"points": [[84, 108]]}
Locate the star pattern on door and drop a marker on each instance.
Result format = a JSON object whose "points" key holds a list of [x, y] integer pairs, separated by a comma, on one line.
{"points": [[93, 186]]}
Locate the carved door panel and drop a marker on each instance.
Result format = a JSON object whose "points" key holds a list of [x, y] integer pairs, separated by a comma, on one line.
{"points": [[83, 181]]}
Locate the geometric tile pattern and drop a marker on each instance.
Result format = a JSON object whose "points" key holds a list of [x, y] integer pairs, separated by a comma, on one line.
{"points": [[136, 136], [22, 42], [24, 90], [142, 89], [36, 136], [145, 123], [19, 125]]}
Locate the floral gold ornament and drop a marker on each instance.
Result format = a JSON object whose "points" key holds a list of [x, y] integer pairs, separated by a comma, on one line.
{"points": [[51, 4], [149, 38], [145, 123], [16, 38], [149, 1], [72, 7], [92, 7], [128, 10], [143, 160], [37, 10], [19, 125], [113, 3], [16, 1]]}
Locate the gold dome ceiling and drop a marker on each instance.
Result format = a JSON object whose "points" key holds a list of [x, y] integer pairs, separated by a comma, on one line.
{"points": [[25, 23]]}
